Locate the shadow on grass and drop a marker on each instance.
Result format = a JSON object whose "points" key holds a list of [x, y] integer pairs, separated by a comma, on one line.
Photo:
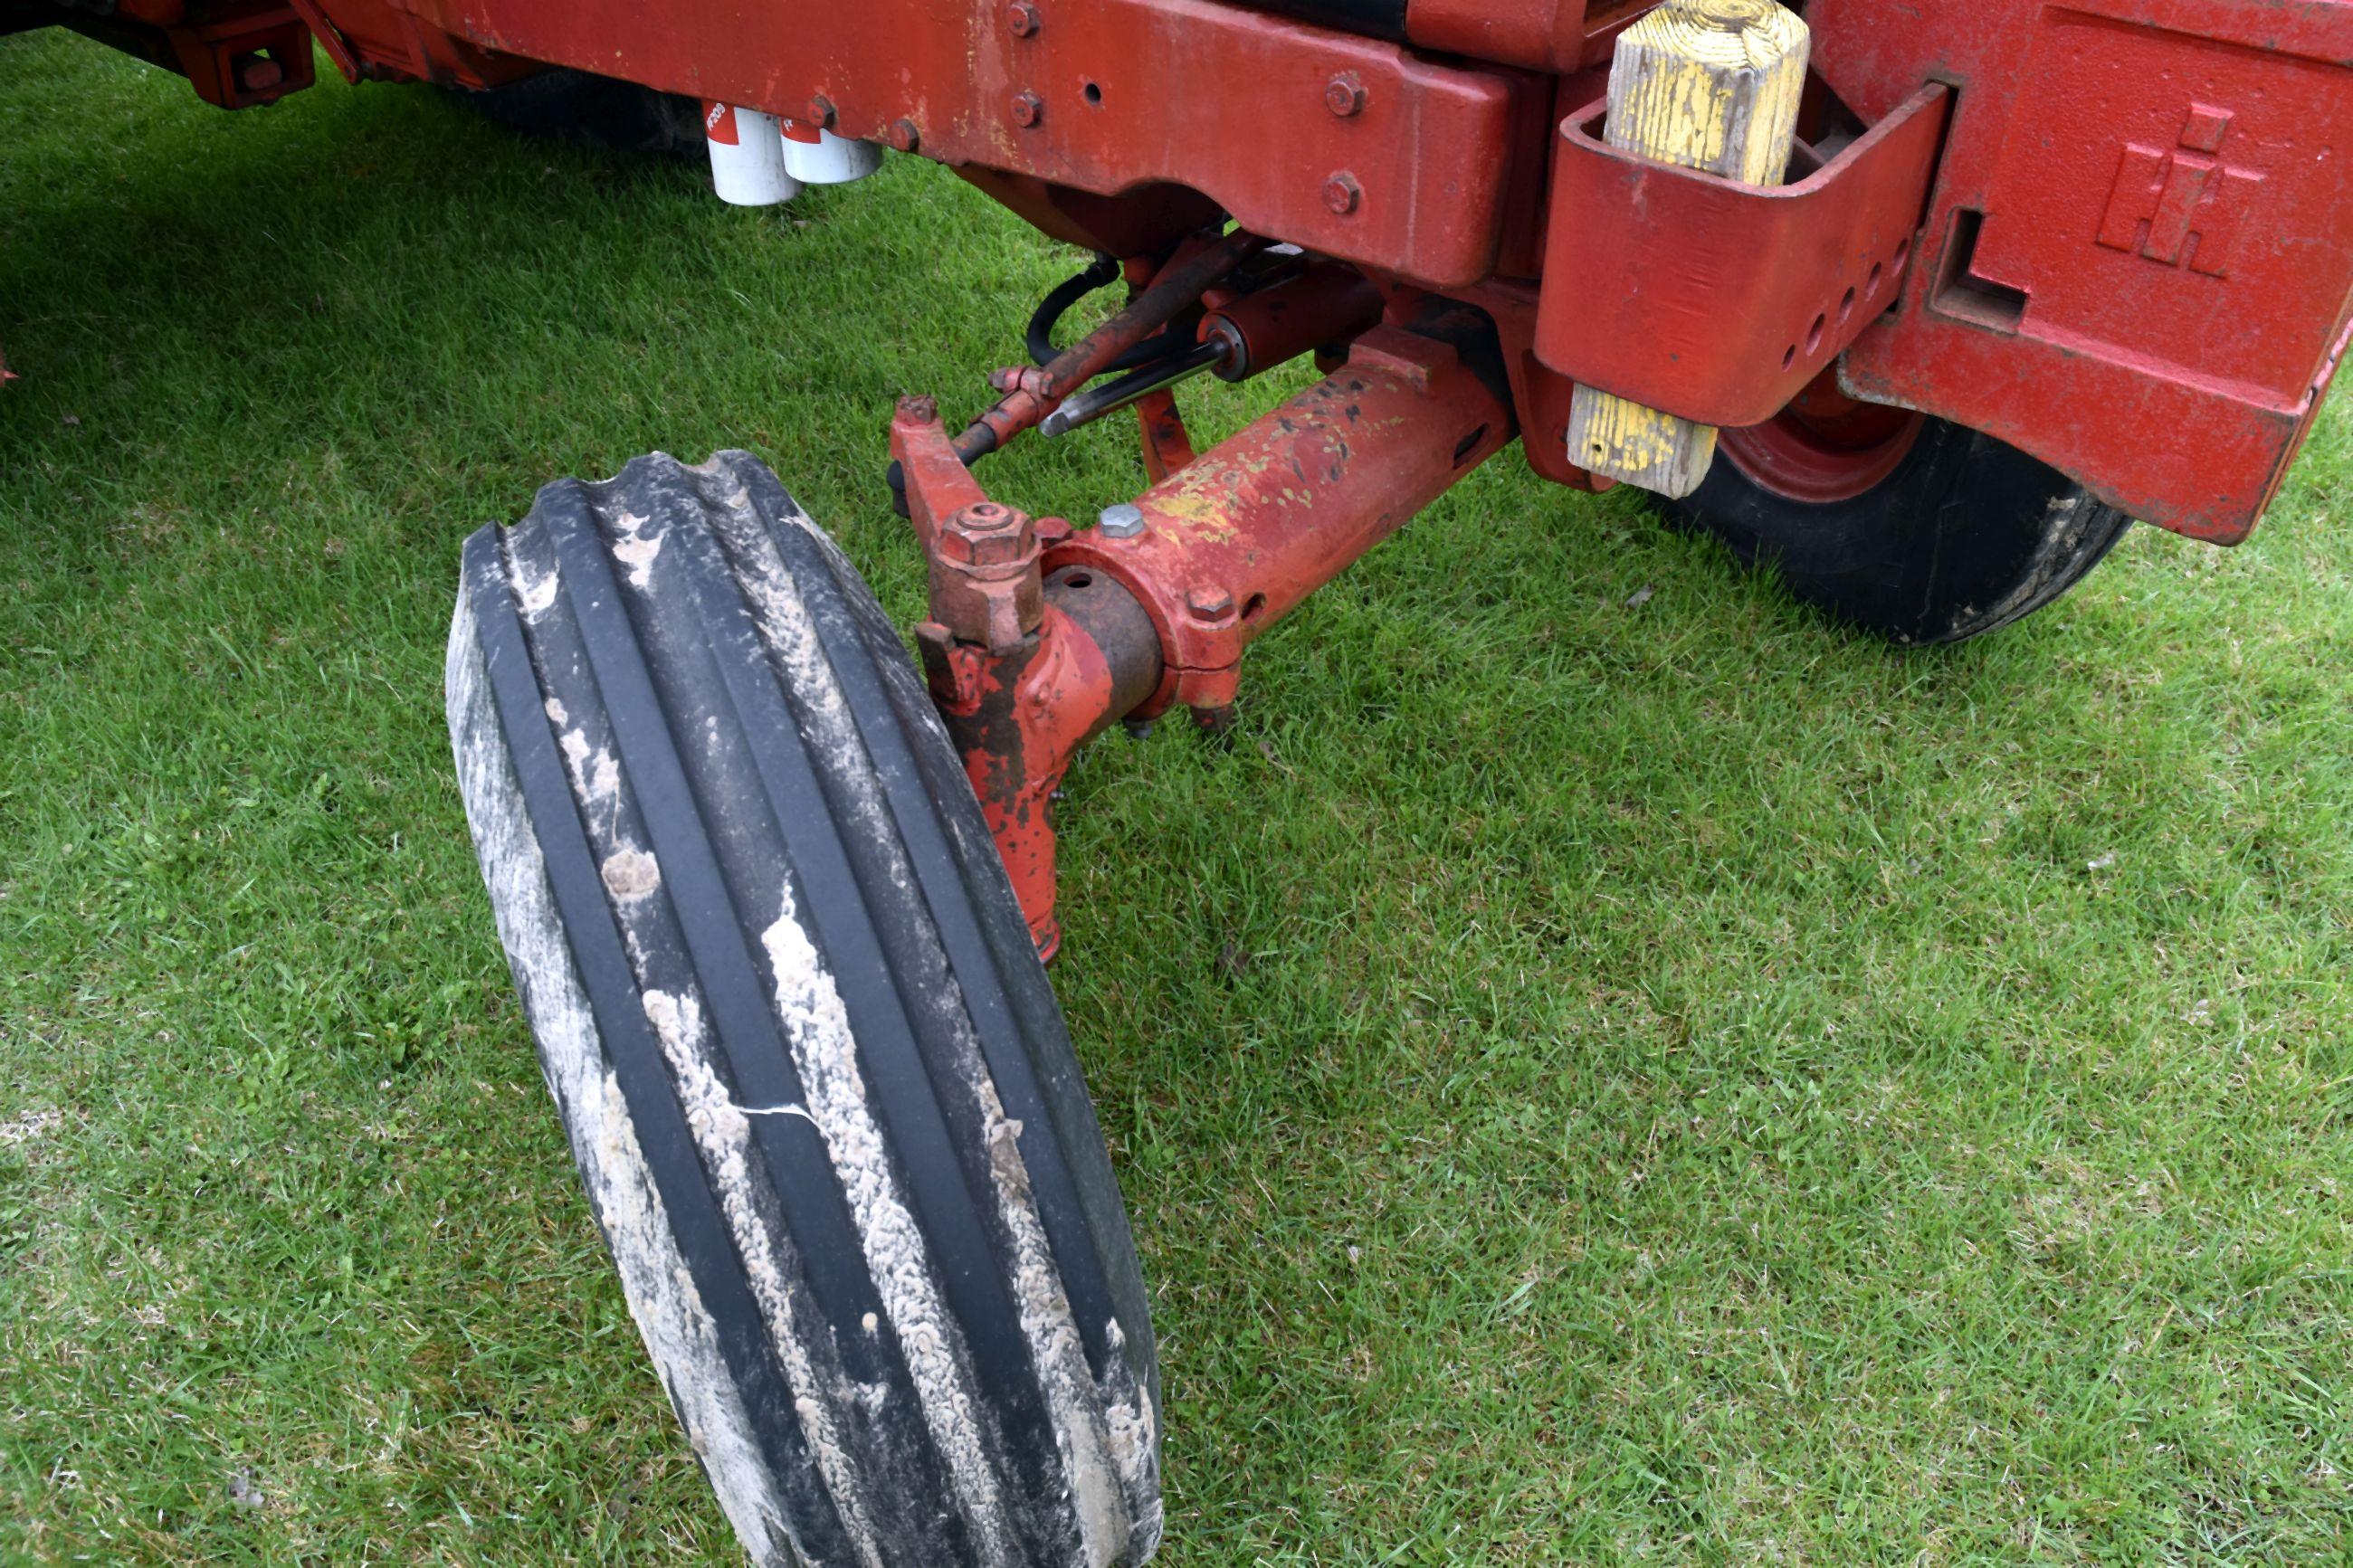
{"points": [[1600, 1077]]}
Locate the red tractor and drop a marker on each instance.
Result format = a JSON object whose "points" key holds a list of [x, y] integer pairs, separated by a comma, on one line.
{"points": [[1919, 303]]}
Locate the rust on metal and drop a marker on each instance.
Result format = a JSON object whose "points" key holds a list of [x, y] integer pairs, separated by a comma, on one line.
{"points": [[2137, 264], [1153, 85], [1234, 540], [1168, 445], [1033, 391], [2116, 233], [1158, 610]]}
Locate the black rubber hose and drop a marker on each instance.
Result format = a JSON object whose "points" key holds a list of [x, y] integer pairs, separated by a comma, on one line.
{"points": [[1176, 338], [1100, 273]]}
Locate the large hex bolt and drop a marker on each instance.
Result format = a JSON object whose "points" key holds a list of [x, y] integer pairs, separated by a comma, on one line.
{"points": [[985, 585], [986, 534]]}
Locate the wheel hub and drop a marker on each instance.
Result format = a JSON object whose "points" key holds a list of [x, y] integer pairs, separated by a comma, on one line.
{"points": [[1825, 446]]}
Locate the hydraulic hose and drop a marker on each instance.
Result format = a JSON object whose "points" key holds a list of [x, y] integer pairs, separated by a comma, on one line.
{"points": [[1100, 273]]}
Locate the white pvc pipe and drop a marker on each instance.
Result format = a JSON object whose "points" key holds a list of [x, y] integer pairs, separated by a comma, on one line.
{"points": [[747, 156], [817, 157]]}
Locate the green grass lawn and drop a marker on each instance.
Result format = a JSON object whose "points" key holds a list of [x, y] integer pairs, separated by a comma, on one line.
{"points": [[1598, 1078]]}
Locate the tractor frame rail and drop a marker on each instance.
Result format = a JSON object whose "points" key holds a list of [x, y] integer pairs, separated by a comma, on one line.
{"points": [[2113, 233]]}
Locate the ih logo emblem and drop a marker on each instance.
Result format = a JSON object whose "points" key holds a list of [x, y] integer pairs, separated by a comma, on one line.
{"points": [[2181, 204]]}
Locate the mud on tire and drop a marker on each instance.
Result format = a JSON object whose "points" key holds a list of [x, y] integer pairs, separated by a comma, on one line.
{"points": [[815, 1082]]}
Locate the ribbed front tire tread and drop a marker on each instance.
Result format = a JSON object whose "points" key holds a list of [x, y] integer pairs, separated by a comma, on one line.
{"points": [[815, 1079]]}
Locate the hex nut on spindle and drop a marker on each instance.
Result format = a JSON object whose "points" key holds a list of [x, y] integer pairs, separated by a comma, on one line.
{"points": [[1341, 193], [904, 137], [985, 584], [1208, 602], [986, 534], [1344, 95], [820, 112], [1021, 17], [1124, 520], [1027, 108]]}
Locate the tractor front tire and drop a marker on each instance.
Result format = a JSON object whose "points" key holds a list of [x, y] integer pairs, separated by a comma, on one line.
{"points": [[1908, 527], [814, 1077]]}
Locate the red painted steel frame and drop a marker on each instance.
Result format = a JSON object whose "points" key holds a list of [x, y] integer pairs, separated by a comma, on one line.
{"points": [[2138, 262], [1126, 94], [1234, 540], [1542, 34]]}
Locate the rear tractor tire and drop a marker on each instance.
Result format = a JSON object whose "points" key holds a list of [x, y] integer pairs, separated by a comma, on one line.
{"points": [[1907, 526], [814, 1077]]}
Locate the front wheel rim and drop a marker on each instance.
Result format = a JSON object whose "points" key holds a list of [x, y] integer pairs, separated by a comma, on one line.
{"points": [[1825, 446]]}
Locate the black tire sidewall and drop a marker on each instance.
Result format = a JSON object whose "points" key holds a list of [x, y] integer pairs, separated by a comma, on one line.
{"points": [[1968, 533], [745, 888]]}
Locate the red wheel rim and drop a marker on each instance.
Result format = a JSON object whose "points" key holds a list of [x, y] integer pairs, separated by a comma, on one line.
{"points": [[1825, 446]]}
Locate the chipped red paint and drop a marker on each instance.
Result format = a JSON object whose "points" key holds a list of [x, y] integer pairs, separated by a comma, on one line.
{"points": [[2137, 261], [1021, 684], [1231, 542], [1018, 718], [1108, 96], [1236, 540], [2116, 233]]}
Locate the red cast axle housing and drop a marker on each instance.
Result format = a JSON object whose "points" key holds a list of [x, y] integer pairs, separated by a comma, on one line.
{"points": [[1040, 637]]}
